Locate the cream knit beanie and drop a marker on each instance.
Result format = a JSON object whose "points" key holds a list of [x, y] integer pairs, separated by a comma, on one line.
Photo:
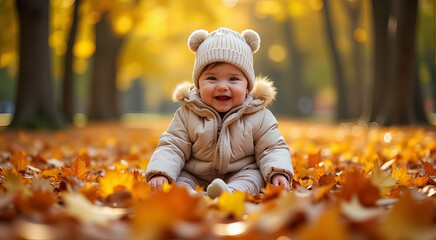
{"points": [[224, 45]]}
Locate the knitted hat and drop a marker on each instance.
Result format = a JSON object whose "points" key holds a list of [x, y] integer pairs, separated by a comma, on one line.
{"points": [[224, 45]]}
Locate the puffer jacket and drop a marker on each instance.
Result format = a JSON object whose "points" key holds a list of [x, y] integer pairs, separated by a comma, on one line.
{"points": [[201, 143]]}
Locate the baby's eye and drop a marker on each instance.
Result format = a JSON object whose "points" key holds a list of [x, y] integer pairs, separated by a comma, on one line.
{"points": [[234, 79], [211, 78]]}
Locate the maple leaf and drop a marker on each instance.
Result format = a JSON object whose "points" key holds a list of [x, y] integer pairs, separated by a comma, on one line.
{"points": [[327, 179], [428, 168], [318, 171], [232, 203], [355, 183], [14, 184], [358, 213], [39, 200], [90, 191], [82, 209], [112, 179], [314, 159], [162, 209], [420, 181], [409, 219], [271, 192], [328, 225], [78, 168], [385, 183], [401, 175], [19, 160]]}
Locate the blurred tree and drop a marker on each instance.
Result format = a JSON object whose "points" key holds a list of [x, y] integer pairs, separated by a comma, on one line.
{"points": [[296, 89], [342, 102], [104, 94], [397, 98], [68, 85], [355, 93], [35, 102]]}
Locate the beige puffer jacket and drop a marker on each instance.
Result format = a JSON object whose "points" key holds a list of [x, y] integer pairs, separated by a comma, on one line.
{"points": [[199, 142]]}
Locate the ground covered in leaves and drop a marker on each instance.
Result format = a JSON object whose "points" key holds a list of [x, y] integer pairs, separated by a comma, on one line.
{"points": [[352, 181]]}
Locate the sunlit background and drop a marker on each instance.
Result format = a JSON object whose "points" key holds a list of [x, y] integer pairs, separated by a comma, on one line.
{"points": [[154, 56]]}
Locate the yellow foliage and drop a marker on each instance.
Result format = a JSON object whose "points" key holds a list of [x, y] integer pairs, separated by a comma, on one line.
{"points": [[232, 203], [113, 179], [401, 174]]}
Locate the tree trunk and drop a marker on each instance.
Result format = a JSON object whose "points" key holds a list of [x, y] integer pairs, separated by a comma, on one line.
{"points": [[421, 115], [35, 102], [104, 95], [373, 103], [400, 105], [355, 93], [295, 79], [68, 87], [342, 107]]}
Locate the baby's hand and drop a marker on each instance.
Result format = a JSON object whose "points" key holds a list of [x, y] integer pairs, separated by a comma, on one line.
{"points": [[280, 179], [157, 182]]}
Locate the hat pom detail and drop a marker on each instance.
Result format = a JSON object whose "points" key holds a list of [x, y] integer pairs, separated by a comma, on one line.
{"points": [[252, 39], [196, 38]]}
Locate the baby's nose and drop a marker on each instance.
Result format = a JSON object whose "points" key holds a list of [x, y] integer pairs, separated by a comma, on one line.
{"points": [[223, 85]]}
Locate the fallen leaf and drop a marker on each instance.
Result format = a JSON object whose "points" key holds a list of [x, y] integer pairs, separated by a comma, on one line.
{"points": [[19, 161], [420, 181], [328, 226], [112, 179], [83, 210], [401, 175], [384, 182], [355, 183], [409, 219], [232, 203], [78, 168], [327, 179], [428, 168]]}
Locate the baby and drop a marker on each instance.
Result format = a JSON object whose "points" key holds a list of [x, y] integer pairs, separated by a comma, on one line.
{"points": [[223, 137]]}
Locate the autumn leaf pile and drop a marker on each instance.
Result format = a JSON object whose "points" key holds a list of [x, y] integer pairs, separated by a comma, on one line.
{"points": [[351, 182]]}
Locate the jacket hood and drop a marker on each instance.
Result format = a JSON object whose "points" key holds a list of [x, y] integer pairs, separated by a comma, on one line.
{"points": [[263, 90]]}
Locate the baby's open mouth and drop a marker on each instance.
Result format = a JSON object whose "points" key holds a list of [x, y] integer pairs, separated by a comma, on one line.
{"points": [[222, 98]]}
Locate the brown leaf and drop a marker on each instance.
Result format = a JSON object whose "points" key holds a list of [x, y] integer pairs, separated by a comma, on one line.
{"points": [[429, 169], [355, 183], [77, 169], [327, 179], [314, 159]]}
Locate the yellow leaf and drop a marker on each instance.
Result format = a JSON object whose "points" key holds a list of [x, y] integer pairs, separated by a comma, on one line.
{"points": [[385, 183], [166, 187], [14, 184], [79, 207], [232, 203], [113, 179], [401, 174]]}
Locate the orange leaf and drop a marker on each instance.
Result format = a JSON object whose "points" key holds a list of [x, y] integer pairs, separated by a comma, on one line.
{"points": [[271, 192], [401, 174], [409, 219], [420, 181], [314, 159], [429, 169], [355, 183], [19, 160], [77, 169], [327, 179], [114, 179]]}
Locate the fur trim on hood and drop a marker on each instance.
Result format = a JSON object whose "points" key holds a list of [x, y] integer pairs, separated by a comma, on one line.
{"points": [[263, 89]]}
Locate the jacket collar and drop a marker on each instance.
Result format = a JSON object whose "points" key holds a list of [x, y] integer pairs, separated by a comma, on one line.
{"points": [[263, 90]]}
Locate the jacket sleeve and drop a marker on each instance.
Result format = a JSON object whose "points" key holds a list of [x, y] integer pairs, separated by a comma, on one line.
{"points": [[271, 151], [173, 149]]}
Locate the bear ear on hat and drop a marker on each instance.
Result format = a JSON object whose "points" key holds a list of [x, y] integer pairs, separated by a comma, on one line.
{"points": [[196, 38], [252, 39]]}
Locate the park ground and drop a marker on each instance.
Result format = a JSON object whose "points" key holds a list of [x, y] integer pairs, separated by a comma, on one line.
{"points": [[352, 181]]}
